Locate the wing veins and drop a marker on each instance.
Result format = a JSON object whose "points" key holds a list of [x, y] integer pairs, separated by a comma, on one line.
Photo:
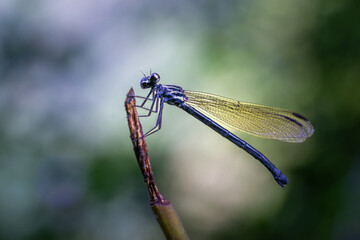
{"points": [[259, 120]]}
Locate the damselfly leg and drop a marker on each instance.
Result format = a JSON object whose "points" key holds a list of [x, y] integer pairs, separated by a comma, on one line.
{"points": [[158, 121], [147, 98], [155, 99]]}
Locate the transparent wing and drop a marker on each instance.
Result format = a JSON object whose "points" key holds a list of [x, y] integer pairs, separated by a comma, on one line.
{"points": [[259, 120]]}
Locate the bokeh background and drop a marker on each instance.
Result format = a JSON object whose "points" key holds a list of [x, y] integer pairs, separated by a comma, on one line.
{"points": [[67, 170]]}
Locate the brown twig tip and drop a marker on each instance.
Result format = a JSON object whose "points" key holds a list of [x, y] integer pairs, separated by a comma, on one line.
{"points": [[140, 148]]}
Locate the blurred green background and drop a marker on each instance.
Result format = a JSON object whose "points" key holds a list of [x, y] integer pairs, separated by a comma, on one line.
{"points": [[67, 170]]}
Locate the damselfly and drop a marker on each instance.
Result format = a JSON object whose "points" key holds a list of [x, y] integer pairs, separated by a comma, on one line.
{"points": [[217, 112]]}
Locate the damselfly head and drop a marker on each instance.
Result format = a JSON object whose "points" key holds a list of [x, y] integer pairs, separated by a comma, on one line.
{"points": [[149, 81]]}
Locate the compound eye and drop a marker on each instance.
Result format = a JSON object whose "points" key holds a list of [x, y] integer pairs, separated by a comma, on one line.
{"points": [[155, 78]]}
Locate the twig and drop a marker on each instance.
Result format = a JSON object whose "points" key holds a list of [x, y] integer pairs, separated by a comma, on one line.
{"points": [[164, 211]]}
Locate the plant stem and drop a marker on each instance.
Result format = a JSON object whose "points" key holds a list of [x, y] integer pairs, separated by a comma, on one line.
{"points": [[164, 211]]}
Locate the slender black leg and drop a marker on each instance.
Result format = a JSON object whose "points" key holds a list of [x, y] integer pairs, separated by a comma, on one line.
{"points": [[146, 98], [153, 99], [158, 121], [155, 102]]}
